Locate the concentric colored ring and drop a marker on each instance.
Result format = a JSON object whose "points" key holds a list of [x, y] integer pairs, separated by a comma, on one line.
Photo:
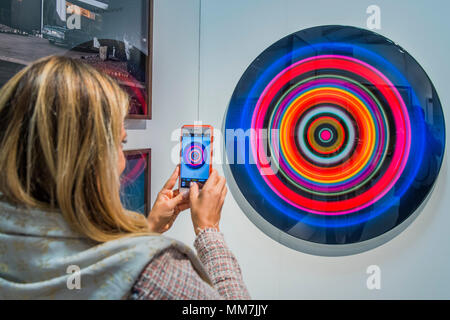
{"points": [[194, 155], [335, 135], [325, 135], [355, 105], [342, 134]]}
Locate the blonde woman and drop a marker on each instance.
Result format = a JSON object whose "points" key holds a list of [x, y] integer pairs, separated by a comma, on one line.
{"points": [[63, 231]]}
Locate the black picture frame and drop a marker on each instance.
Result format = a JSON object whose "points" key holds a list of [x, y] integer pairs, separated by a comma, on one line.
{"points": [[146, 178], [32, 29]]}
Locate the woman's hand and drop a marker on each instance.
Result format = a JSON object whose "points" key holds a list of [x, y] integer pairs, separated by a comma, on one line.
{"points": [[206, 205], [169, 203]]}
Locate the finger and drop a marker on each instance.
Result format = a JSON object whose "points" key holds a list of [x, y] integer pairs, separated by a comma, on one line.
{"points": [[184, 206], [185, 193], [221, 184], [173, 179], [193, 192], [222, 198], [163, 196], [175, 201], [185, 200], [223, 194], [167, 193], [212, 180]]}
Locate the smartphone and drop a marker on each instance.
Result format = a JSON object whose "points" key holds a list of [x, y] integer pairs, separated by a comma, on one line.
{"points": [[196, 153]]}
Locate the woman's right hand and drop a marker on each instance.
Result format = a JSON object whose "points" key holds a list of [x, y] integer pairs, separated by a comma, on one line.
{"points": [[206, 204]]}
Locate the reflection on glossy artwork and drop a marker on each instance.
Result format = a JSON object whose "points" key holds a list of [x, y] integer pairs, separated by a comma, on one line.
{"points": [[347, 136]]}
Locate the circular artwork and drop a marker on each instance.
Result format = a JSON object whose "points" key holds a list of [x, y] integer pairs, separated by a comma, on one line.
{"points": [[337, 136], [194, 155]]}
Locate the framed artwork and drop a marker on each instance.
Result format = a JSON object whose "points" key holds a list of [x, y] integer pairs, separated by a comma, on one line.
{"points": [[136, 180], [114, 36], [345, 140]]}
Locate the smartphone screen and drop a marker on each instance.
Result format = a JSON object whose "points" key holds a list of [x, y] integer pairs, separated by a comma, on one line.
{"points": [[195, 156]]}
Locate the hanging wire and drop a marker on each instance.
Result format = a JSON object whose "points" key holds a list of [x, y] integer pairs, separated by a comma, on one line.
{"points": [[199, 56]]}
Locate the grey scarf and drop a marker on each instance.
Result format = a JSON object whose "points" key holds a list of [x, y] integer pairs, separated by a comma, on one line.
{"points": [[42, 258]]}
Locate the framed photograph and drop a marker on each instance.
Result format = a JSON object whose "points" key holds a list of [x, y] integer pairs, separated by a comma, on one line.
{"points": [[135, 181], [114, 36]]}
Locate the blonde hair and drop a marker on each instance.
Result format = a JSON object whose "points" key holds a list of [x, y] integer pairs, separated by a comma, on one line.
{"points": [[60, 132]]}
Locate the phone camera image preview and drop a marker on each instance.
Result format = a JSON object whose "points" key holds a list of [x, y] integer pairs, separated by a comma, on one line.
{"points": [[195, 158]]}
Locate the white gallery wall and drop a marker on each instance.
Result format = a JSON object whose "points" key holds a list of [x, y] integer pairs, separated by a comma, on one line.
{"points": [[201, 49]]}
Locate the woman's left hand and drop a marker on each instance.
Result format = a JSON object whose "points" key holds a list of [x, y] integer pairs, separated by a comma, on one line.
{"points": [[169, 203]]}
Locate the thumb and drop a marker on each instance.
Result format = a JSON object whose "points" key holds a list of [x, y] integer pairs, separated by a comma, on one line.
{"points": [[176, 200], [193, 191]]}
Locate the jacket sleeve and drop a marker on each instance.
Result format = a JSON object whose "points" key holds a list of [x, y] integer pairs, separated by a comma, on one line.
{"points": [[170, 274]]}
